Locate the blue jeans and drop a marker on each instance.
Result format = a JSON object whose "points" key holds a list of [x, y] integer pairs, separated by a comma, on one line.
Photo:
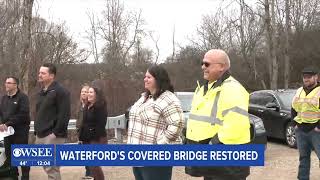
{"points": [[307, 141], [152, 173]]}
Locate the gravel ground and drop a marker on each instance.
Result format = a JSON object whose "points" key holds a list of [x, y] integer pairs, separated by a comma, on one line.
{"points": [[281, 163]]}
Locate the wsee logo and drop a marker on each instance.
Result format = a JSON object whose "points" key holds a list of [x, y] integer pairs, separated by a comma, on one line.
{"points": [[17, 152], [32, 152]]}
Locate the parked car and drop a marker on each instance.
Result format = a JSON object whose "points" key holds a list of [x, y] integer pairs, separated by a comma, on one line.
{"points": [[185, 100], [274, 108], [257, 130]]}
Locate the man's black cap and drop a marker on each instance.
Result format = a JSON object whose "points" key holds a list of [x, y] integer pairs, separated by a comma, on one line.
{"points": [[310, 70]]}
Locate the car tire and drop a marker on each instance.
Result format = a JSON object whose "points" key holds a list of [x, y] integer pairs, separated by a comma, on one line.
{"points": [[290, 135]]}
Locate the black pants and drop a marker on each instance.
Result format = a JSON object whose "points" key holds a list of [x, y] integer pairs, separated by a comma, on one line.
{"points": [[96, 171], [16, 139], [152, 173]]}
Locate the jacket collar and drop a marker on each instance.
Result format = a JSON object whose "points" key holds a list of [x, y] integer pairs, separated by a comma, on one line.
{"points": [[50, 88], [14, 94], [225, 76], [309, 90]]}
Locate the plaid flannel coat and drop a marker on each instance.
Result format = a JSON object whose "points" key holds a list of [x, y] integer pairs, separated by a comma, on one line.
{"points": [[157, 121]]}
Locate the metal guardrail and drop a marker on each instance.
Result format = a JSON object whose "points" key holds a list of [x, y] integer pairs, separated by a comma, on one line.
{"points": [[116, 122]]}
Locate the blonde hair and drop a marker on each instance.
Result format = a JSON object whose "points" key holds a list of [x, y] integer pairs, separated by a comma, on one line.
{"points": [[85, 85]]}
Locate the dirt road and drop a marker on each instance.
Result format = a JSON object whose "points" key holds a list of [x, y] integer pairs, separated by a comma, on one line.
{"points": [[281, 163]]}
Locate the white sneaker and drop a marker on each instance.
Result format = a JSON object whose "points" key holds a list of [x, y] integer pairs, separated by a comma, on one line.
{"points": [[87, 178]]}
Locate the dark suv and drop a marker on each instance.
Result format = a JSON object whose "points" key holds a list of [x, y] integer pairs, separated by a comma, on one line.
{"points": [[274, 108]]}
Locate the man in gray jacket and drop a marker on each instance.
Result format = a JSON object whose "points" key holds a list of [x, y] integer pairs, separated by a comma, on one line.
{"points": [[52, 113]]}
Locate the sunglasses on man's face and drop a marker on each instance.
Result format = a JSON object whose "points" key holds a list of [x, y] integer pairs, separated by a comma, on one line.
{"points": [[206, 64]]}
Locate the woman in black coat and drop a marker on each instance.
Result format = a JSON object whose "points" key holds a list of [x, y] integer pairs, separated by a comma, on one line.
{"points": [[92, 130]]}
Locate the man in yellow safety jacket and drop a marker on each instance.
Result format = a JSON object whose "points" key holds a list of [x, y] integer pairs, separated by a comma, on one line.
{"points": [[306, 114], [219, 115]]}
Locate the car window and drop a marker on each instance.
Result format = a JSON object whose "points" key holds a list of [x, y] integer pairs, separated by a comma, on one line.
{"points": [[262, 99], [186, 101], [255, 98], [286, 98], [269, 98]]}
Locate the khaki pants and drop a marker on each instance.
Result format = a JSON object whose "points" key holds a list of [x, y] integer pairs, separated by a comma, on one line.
{"points": [[53, 172]]}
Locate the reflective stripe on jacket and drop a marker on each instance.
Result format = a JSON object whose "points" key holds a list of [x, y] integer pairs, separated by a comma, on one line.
{"points": [[307, 106], [222, 111]]}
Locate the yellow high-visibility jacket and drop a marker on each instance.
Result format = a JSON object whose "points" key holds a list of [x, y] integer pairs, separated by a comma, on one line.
{"points": [[222, 111], [307, 106]]}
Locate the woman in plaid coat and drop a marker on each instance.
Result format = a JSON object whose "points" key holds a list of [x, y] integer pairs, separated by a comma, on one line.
{"points": [[156, 118]]}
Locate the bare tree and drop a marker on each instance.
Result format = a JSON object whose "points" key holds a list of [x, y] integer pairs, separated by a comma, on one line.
{"points": [[119, 31], [303, 13], [155, 40], [287, 45], [271, 41], [26, 40], [173, 43], [140, 55], [51, 43], [212, 31], [11, 36], [93, 36], [249, 29]]}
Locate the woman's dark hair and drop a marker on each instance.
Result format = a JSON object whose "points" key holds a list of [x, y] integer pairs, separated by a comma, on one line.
{"points": [[100, 99], [162, 81]]}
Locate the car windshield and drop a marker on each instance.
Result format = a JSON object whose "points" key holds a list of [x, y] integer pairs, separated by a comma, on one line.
{"points": [[286, 98], [186, 101]]}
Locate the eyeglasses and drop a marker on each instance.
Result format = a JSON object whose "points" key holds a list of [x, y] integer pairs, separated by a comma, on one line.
{"points": [[206, 64], [10, 83]]}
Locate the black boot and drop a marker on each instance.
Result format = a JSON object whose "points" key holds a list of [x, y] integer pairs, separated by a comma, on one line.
{"points": [[25, 178]]}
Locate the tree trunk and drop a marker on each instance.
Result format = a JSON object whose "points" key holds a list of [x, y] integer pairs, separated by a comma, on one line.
{"points": [[270, 25], [1, 51], [26, 40], [242, 36], [173, 43], [286, 48]]}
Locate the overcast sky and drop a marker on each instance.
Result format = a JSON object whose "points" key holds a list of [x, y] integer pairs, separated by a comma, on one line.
{"points": [[161, 17]]}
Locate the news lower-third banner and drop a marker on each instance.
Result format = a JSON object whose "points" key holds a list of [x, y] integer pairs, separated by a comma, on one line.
{"points": [[137, 155]]}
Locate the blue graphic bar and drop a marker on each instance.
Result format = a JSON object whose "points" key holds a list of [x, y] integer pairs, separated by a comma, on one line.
{"points": [[160, 155], [137, 155]]}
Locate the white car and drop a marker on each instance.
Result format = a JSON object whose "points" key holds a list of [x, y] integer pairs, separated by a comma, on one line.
{"points": [[185, 100]]}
